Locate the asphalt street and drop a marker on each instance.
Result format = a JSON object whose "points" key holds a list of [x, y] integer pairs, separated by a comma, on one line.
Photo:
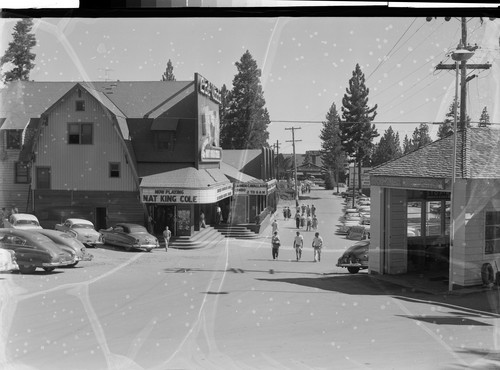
{"points": [[231, 306]]}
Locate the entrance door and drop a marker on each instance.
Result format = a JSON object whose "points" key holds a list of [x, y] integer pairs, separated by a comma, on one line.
{"points": [[100, 218], [165, 216], [395, 250]]}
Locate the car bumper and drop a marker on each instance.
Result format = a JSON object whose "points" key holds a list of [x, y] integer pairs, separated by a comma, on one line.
{"points": [[146, 247], [85, 257], [59, 263], [353, 264]]}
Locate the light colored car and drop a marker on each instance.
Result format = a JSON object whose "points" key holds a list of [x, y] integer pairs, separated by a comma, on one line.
{"points": [[343, 228], [8, 260], [83, 230], [23, 221], [68, 241], [355, 258], [34, 250], [129, 236]]}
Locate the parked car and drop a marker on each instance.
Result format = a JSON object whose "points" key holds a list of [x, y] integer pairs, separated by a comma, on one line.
{"points": [[83, 230], [68, 241], [8, 260], [130, 236], [358, 233], [355, 258], [344, 227], [34, 250], [22, 221]]}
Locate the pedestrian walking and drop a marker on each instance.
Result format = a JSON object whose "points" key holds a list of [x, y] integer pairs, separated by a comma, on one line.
{"points": [[284, 213], [308, 210], [313, 210], [297, 219], [288, 213], [298, 244], [166, 235], [275, 243], [202, 220], [218, 215], [303, 220], [315, 222], [317, 244], [309, 223], [275, 226]]}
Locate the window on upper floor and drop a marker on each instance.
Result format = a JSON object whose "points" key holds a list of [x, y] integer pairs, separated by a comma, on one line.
{"points": [[14, 139], [492, 233], [114, 169], [22, 175], [165, 140], [80, 105], [80, 133]]}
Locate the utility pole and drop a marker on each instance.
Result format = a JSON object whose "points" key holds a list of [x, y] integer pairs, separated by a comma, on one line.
{"points": [[277, 147], [294, 161], [463, 73]]}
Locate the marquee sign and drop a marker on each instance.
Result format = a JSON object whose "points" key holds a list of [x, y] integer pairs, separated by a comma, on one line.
{"points": [[186, 196], [246, 188], [208, 89]]}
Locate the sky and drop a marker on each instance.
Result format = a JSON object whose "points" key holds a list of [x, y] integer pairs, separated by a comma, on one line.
{"points": [[306, 62]]}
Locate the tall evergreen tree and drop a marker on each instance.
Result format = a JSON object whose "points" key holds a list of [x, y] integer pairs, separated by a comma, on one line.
{"points": [[332, 154], [484, 120], [356, 130], [420, 136], [168, 75], [19, 52], [247, 118], [407, 148], [446, 128], [387, 149]]}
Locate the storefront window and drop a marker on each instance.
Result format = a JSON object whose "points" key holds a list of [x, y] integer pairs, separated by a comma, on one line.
{"points": [[492, 232], [414, 218]]}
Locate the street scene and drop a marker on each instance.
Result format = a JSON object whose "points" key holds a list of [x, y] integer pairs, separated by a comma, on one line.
{"points": [[232, 306]]}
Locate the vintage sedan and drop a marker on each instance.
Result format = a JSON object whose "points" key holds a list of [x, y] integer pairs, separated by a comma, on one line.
{"points": [[68, 241], [83, 230], [22, 221], [130, 236], [355, 258], [8, 260], [34, 250]]}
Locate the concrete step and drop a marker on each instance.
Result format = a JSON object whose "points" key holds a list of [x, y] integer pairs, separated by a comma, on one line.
{"points": [[202, 239], [236, 231]]}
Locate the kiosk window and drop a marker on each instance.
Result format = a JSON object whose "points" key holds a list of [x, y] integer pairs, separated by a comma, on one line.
{"points": [[492, 232]]}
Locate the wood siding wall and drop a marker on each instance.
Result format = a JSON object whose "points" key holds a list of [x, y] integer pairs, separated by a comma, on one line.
{"points": [[10, 192], [82, 167], [52, 207]]}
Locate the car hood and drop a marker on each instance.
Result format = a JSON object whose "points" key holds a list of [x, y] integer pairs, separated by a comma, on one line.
{"points": [[26, 227], [86, 232]]}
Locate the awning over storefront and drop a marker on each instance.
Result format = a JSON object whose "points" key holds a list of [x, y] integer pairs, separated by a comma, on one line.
{"points": [[186, 185]]}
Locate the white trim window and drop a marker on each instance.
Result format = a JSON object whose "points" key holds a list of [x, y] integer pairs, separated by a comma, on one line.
{"points": [[80, 133]]}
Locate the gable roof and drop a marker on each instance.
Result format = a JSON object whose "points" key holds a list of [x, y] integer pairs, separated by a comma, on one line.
{"points": [[478, 156], [22, 100]]}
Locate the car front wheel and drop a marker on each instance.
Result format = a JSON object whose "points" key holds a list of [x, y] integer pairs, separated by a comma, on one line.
{"points": [[49, 269], [353, 270], [27, 269]]}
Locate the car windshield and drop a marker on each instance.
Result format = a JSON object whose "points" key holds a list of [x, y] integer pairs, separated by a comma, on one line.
{"points": [[82, 226], [27, 222]]}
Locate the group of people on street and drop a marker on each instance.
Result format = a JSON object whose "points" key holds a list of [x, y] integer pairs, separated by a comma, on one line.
{"points": [[305, 216], [298, 244], [5, 214]]}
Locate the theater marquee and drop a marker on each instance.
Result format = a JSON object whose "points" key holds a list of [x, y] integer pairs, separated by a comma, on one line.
{"points": [[186, 196]]}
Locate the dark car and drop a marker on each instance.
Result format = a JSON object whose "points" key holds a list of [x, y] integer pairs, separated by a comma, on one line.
{"points": [[355, 258], [34, 250], [66, 241], [130, 236]]}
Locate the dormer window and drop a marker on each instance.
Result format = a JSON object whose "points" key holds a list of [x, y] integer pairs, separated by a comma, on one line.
{"points": [[80, 105]]}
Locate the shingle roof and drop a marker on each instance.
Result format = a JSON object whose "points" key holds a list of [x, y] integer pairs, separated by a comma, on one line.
{"points": [[479, 157], [22, 100]]}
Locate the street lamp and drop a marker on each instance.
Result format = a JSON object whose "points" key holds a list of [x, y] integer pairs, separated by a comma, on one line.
{"points": [[459, 55]]}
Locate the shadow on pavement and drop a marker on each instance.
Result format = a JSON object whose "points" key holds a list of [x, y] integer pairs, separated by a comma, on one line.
{"points": [[488, 302]]}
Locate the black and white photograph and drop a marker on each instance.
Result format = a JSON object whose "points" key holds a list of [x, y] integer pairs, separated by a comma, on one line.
{"points": [[284, 187]]}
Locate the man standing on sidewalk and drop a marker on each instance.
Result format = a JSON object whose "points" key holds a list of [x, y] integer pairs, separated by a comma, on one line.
{"points": [[317, 244], [298, 243]]}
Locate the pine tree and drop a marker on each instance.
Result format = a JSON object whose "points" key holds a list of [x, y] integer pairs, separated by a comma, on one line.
{"points": [[407, 147], [246, 121], [19, 52], [356, 130], [420, 136], [484, 120], [387, 149], [168, 75], [332, 154], [446, 128]]}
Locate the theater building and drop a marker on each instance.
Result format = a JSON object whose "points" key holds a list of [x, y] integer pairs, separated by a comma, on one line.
{"points": [[142, 152], [414, 203]]}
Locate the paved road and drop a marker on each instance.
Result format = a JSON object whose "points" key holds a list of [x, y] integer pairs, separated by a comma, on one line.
{"points": [[232, 307]]}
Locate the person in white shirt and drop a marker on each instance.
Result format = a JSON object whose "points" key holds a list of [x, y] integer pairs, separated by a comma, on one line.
{"points": [[298, 243], [317, 244]]}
